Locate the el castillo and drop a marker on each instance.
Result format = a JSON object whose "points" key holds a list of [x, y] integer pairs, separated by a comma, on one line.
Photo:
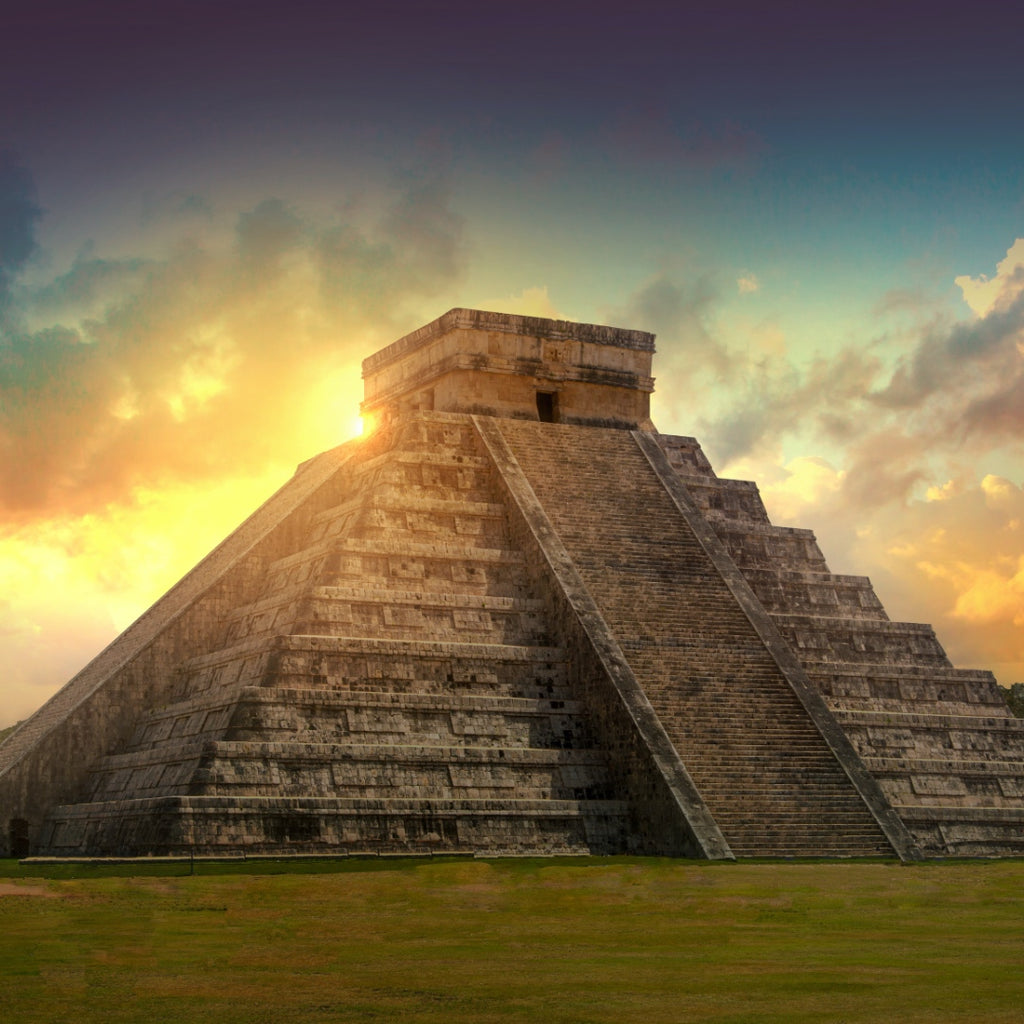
{"points": [[515, 619]]}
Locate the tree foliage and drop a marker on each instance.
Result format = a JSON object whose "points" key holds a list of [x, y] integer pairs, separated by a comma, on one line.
{"points": [[1015, 698]]}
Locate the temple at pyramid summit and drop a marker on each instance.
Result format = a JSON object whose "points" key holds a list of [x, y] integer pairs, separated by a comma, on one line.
{"points": [[515, 619]]}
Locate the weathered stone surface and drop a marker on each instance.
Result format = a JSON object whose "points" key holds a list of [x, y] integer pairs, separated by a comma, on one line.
{"points": [[478, 631], [940, 741], [470, 360]]}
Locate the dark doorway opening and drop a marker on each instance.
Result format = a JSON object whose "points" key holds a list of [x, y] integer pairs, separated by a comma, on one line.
{"points": [[547, 406], [19, 838]]}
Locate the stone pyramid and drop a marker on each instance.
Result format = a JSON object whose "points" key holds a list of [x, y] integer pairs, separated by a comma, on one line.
{"points": [[516, 619]]}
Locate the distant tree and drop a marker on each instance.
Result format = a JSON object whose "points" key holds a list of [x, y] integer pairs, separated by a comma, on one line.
{"points": [[4, 733], [1015, 698]]}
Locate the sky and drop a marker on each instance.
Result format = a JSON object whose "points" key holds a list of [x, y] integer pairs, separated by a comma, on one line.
{"points": [[211, 212]]}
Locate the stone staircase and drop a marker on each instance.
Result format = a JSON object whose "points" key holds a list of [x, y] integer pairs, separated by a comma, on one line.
{"points": [[766, 774], [941, 741], [391, 688]]}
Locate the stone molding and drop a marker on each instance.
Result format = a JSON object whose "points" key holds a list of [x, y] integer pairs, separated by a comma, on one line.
{"points": [[483, 320]]}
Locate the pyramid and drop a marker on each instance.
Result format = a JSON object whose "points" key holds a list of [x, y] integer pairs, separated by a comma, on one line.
{"points": [[516, 619]]}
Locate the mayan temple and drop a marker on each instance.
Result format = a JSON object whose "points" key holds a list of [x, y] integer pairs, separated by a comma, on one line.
{"points": [[516, 619]]}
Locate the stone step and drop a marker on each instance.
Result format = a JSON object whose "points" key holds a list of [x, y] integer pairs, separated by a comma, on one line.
{"points": [[386, 724], [323, 715], [424, 773], [321, 665], [424, 614], [727, 499], [686, 455], [398, 498], [421, 525], [457, 562], [338, 824], [939, 738], [907, 684], [411, 494], [755, 545], [396, 753], [822, 639], [910, 718], [438, 472], [382, 611], [464, 567], [964, 767], [889, 706], [953, 789], [433, 432], [420, 666], [815, 593], [335, 660], [966, 831], [298, 768]]}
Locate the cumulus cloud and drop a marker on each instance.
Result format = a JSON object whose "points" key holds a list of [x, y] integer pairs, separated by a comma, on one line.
{"points": [[983, 294], [209, 357], [963, 360]]}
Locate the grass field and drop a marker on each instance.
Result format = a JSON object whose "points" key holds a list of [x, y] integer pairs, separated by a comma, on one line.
{"points": [[618, 940]]}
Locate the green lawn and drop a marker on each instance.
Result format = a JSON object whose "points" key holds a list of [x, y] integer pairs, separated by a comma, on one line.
{"points": [[612, 940]]}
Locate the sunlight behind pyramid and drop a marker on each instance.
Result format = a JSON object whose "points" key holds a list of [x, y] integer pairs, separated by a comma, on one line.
{"points": [[516, 619]]}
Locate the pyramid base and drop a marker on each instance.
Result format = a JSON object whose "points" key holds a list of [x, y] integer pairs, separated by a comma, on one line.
{"points": [[287, 826]]}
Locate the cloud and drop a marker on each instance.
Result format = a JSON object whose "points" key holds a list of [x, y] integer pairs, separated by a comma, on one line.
{"points": [[963, 558], [19, 213], [955, 393], [962, 360], [210, 357], [809, 482], [774, 397], [680, 313], [984, 294], [192, 375], [175, 206], [998, 413], [891, 461], [968, 376]]}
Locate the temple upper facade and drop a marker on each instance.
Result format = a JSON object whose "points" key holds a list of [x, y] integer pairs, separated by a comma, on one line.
{"points": [[523, 367]]}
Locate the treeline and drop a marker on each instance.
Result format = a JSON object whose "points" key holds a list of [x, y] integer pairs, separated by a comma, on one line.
{"points": [[4, 733], [1015, 698]]}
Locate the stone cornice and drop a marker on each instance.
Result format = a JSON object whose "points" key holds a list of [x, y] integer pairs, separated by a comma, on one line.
{"points": [[530, 326]]}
